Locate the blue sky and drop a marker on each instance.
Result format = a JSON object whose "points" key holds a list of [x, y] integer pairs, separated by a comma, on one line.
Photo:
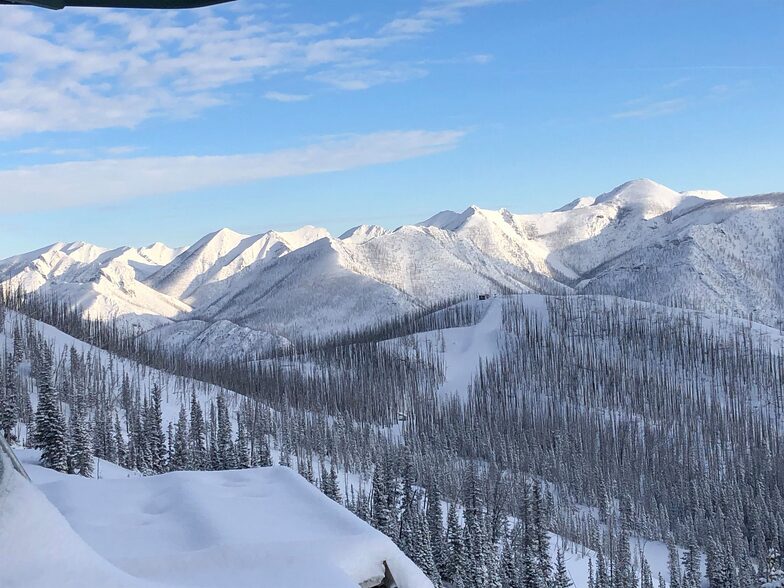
{"points": [[121, 127]]}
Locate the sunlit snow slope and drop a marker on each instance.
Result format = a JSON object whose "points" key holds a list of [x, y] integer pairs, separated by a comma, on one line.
{"points": [[258, 527], [640, 240]]}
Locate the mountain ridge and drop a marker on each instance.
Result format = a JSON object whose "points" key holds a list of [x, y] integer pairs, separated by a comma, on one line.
{"points": [[641, 240]]}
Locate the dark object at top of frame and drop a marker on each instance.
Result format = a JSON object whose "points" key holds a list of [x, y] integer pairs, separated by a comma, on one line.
{"points": [[149, 4]]}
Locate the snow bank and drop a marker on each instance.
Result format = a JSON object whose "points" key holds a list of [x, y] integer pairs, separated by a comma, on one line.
{"points": [[39, 548], [261, 527]]}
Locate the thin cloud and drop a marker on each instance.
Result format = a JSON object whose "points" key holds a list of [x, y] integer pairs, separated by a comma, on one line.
{"points": [[284, 97], [362, 77], [106, 181], [433, 15], [654, 109]]}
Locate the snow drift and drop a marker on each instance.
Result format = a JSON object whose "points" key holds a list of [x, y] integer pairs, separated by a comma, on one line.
{"points": [[265, 527]]}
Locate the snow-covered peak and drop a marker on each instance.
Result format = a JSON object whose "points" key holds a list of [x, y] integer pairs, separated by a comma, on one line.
{"points": [[159, 253], [82, 252], [577, 203], [650, 197], [362, 233], [219, 241], [450, 220], [302, 236], [705, 194], [693, 199]]}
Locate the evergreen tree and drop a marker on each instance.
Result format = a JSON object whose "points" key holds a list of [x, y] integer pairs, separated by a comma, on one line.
{"points": [[119, 442], [674, 563], [196, 437], [156, 441], [180, 456], [602, 573], [646, 577], [225, 453], [8, 403], [18, 345], [265, 454], [423, 554], [379, 498], [435, 523], [50, 433], [510, 577], [81, 448], [241, 450], [454, 546], [691, 563], [561, 577], [623, 575]]}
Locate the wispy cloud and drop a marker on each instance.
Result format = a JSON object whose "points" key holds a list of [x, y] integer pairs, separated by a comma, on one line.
{"points": [[88, 70], [284, 97], [654, 109], [106, 181], [362, 76], [434, 14]]}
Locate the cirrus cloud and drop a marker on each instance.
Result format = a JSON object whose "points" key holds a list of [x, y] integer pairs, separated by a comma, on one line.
{"points": [[106, 181]]}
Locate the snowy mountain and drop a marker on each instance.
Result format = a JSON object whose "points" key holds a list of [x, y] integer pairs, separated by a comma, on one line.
{"points": [[105, 283], [640, 240]]}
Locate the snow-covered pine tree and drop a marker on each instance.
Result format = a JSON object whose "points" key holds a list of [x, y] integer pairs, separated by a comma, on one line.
{"points": [[509, 572], [8, 400], [180, 456], [561, 577], [623, 574], [81, 447], [603, 579], [50, 432], [454, 546], [225, 450], [156, 440], [265, 454], [241, 447], [119, 443], [379, 501], [674, 563], [435, 523], [691, 562], [196, 437]]}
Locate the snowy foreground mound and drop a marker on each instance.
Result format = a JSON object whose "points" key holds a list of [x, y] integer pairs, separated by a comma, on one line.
{"points": [[262, 527]]}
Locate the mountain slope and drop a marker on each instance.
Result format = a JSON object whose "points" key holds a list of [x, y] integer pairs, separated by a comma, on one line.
{"points": [[641, 240], [105, 283]]}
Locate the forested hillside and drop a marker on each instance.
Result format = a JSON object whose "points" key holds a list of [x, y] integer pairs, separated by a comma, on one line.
{"points": [[607, 421]]}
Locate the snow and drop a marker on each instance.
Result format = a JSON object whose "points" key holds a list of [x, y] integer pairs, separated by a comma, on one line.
{"points": [[577, 203], [462, 349], [286, 284], [363, 233], [233, 528], [40, 548], [220, 255], [651, 198]]}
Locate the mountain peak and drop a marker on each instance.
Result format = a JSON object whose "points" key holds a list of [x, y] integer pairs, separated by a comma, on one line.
{"points": [[650, 197], [362, 233], [226, 232], [449, 220], [582, 202]]}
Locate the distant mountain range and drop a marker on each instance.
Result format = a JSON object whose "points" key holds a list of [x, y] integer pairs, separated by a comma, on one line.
{"points": [[230, 292]]}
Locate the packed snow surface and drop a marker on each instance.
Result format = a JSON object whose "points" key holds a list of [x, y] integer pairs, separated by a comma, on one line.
{"points": [[260, 527]]}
